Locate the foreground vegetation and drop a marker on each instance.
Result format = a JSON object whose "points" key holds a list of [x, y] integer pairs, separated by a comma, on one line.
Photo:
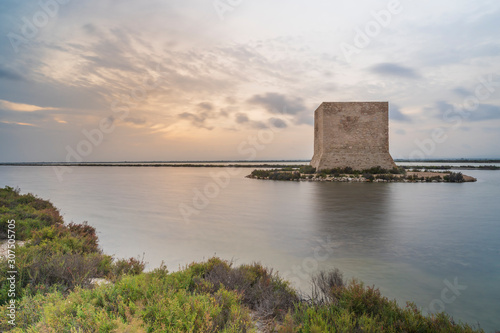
{"points": [[55, 293]]}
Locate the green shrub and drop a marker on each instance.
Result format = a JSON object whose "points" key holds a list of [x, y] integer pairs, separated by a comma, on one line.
{"points": [[325, 287], [276, 174], [307, 169], [368, 177], [387, 177], [260, 173], [131, 266], [398, 170], [376, 170], [454, 177], [280, 175], [355, 308], [30, 213]]}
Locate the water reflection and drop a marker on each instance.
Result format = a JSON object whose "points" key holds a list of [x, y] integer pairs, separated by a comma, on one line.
{"points": [[355, 216]]}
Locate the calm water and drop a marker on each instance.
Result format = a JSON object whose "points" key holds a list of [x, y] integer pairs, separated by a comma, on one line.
{"points": [[407, 239]]}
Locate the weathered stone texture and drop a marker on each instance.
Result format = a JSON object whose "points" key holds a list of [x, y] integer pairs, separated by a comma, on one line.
{"points": [[352, 134]]}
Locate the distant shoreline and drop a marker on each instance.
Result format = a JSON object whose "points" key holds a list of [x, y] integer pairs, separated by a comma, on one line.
{"points": [[232, 165], [155, 164], [254, 164]]}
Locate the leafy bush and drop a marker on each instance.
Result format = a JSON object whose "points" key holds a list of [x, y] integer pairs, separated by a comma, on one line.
{"points": [[454, 177], [325, 286], [339, 171], [276, 174], [261, 290], [31, 213], [398, 171], [307, 169], [260, 173], [280, 175], [131, 266], [376, 170], [148, 302], [338, 307], [433, 178], [368, 176], [387, 177]]}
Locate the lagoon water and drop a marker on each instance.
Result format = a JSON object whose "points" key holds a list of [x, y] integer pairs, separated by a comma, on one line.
{"points": [[413, 241]]}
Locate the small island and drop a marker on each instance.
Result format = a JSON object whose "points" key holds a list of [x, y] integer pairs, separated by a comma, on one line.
{"points": [[347, 174]]}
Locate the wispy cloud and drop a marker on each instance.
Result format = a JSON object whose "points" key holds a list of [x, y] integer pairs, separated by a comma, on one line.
{"points": [[392, 69], [7, 74], [461, 91], [396, 114], [485, 112], [16, 123], [276, 103], [22, 107], [241, 118]]}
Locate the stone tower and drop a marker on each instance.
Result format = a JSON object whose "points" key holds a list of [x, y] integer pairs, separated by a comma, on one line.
{"points": [[352, 134]]}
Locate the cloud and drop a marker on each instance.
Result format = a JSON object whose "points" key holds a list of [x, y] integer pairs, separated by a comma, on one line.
{"points": [[199, 118], [393, 69], [278, 123], [137, 121], [396, 114], [9, 75], [275, 103], [442, 107], [483, 112], [241, 118], [9, 116], [206, 106], [206, 111], [21, 107], [400, 131], [457, 38], [259, 125], [90, 28], [196, 120], [305, 117], [110, 120], [461, 91], [495, 130]]}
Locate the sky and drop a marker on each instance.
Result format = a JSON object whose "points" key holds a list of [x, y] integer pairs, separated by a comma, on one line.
{"points": [[103, 80]]}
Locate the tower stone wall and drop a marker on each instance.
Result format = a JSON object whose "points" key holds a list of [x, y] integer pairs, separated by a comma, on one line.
{"points": [[352, 134]]}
